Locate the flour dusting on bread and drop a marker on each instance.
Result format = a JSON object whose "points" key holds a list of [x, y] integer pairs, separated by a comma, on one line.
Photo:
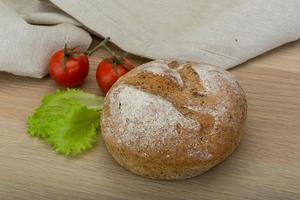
{"points": [[214, 79], [145, 117], [161, 68]]}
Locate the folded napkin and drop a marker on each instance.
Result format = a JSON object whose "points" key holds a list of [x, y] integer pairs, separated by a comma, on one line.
{"points": [[25, 49], [223, 33]]}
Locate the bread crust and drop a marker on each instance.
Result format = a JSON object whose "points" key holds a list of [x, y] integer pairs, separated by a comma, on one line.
{"points": [[173, 120]]}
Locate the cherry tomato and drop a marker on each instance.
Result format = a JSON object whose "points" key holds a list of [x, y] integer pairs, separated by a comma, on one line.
{"points": [[69, 67], [110, 70]]}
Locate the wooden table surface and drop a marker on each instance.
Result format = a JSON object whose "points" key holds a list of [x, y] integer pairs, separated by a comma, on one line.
{"points": [[265, 166]]}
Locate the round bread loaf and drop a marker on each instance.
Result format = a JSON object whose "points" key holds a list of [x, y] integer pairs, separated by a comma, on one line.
{"points": [[173, 120]]}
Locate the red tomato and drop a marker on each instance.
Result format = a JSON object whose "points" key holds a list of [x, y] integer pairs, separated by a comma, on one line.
{"points": [[69, 68], [107, 74]]}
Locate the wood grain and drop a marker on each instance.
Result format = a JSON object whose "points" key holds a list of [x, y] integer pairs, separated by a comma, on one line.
{"points": [[265, 166]]}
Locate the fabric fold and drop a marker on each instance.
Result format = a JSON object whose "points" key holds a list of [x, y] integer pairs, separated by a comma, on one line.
{"points": [[223, 33], [25, 49]]}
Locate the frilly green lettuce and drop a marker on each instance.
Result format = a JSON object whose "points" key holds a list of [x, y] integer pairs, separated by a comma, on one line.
{"points": [[67, 120]]}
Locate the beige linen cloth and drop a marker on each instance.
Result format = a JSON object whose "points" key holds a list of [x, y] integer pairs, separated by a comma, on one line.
{"points": [[25, 49], [219, 32]]}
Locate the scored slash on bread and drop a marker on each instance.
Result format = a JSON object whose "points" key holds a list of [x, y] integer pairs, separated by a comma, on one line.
{"points": [[173, 120]]}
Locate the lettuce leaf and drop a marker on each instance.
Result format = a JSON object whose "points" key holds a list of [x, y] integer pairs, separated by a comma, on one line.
{"points": [[67, 120]]}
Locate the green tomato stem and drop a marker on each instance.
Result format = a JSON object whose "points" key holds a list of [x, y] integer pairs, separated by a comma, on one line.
{"points": [[100, 45], [66, 53], [109, 51]]}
